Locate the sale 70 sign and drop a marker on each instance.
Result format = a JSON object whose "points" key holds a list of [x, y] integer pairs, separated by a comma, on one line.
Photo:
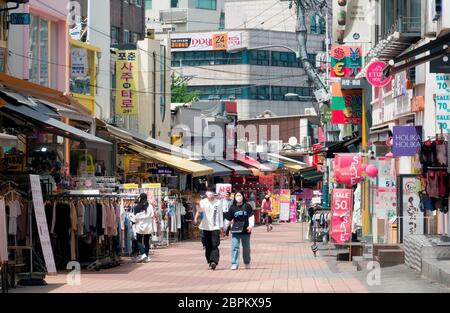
{"points": [[341, 215]]}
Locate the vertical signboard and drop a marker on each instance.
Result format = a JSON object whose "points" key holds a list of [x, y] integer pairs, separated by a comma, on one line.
{"points": [[443, 104], [293, 209], [285, 204], [127, 83], [41, 222], [346, 105], [341, 215], [412, 219]]}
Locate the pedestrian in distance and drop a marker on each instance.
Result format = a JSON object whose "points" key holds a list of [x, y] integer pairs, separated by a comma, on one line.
{"points": [[212, 227], [266, 209], [227, 203], [241, 215]]}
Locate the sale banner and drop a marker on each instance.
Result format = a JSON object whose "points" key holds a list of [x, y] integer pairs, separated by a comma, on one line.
{"points": [[347, 168], [341, 220]]}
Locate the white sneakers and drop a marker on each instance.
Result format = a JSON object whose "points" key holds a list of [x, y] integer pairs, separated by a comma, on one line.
{"points": [[147, 259], [141, 258], [234, 267]]}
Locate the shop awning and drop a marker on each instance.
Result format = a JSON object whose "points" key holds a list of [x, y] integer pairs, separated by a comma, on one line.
{"points": [[250, 162], [178, 163], [286, 160], [127, 134], [219, 170], [311, 175], [8, 140], [55, 126], [238, 169]]}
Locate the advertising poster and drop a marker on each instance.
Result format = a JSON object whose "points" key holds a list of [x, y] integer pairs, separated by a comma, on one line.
{"points": [[341, 221], [285, 197], [293, 209], [346, 61], [406, 140], [222, 189], [346, 105], [206, 41], [412, 218]]}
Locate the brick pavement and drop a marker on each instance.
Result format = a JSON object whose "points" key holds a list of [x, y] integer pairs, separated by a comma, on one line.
{"points": [[281, 262]]}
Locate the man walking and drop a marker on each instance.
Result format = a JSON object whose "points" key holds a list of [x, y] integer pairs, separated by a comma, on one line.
{"points": [[211, 226]]}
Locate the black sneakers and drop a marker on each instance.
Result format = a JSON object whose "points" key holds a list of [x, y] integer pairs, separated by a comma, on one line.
{"points": [[213, 266]]}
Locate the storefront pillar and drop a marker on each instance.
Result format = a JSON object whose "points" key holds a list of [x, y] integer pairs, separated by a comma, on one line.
{"points": [[66, 146]]}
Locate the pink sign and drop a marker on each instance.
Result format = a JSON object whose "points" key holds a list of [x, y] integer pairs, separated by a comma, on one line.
{"points": [[375, 75], [347, 168], [341, 220], [293, 209]]}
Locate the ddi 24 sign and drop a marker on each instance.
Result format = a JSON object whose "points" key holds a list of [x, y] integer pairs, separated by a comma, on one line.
{"points": [[341, 217]]}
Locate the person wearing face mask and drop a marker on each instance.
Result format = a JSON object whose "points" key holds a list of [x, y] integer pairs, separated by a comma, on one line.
{"points": [[241, 214], [266, 209], [212, 226]]}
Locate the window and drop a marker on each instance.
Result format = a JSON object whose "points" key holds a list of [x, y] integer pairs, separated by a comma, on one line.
{"points": [[135, 37], [207, 4], [126, 36], [148, 4], [114, 35], [174, 3], [138, 3], [222, 21], [318, 26], [41, 47]]}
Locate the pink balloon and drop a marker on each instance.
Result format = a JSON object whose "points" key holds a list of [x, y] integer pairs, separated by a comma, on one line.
{"points": [[372, 171]]}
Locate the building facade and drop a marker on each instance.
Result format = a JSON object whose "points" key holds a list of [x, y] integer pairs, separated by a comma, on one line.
{"points": [[42, 56], [184, 15], [258, 68], [127, 22]]}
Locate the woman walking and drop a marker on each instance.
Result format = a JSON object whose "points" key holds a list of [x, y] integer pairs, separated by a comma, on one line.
{"points": [[243, 220], [144, 225], [266, 208]]}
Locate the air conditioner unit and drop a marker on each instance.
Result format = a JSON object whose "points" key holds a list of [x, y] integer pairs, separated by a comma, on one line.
{"points": [[310, 111], [275, 145], [252, 147]]}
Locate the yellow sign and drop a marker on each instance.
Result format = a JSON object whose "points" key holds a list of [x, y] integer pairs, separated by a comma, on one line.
{"points": [[130, 186], [127, 82], [15, 163], [151, 186], [220, 41]]}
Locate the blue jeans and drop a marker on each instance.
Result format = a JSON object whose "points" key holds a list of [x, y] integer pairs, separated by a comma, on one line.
{"points": [[235, 247]]}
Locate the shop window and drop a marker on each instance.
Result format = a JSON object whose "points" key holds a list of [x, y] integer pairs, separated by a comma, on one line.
{"points": [[41, 48], [126, 36], [317, 24], [174, 3], [207, 4], [114, 35]]}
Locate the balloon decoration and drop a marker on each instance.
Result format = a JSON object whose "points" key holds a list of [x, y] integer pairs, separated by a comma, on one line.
{"points": [[371, 171]]}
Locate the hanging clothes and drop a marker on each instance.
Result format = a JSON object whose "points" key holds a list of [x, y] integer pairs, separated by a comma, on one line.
{"points": [[15, 211]]}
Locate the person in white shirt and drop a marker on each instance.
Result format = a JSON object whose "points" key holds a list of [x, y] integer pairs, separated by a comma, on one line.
{"points": [[211, 224], [227, 203]]}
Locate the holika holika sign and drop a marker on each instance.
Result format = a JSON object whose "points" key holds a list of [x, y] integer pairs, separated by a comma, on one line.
{"points": [[407, 140]]}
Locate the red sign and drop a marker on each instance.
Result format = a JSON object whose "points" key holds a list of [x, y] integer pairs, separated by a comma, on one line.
{"points": [[341, 215], [347, 168], [375, 75]]}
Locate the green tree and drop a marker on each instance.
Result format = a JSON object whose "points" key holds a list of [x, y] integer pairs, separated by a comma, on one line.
{"points": [[180, 93]]}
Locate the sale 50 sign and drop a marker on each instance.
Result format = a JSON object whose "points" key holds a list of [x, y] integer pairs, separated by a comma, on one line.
{"points": [[341, 215]]}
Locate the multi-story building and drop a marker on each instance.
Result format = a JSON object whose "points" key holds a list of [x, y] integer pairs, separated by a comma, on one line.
{"points": [[184, 15], [127, 22], [256, 67]]}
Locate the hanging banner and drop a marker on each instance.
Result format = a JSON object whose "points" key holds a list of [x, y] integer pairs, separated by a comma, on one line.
{"points": [[3, 233], [346, 61], [347, 168], [41, 222], [205, 41], [406, 140], [341, 219], [412, 218], [293, 209], [442, 91], [346, 105], [127, 82], [222, 189]]}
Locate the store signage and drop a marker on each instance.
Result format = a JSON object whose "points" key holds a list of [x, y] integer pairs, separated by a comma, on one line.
{"points": [[347, 168], [127, 82], [406, 140], [346, 61], [412, 218], [206, 41], [400, 85], [374, 74], [443, 103], [222, 189], [341, 215], [78, 58], [352, 20], [327, 115], [346, 105], [41, 222], [285, 197], [130, 186], [151, 186], [19, 18], [293, 209], [3, 233], [15, 163]]}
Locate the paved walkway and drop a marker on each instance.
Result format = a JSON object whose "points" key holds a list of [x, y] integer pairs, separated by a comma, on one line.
{"points": [[281, 262]]}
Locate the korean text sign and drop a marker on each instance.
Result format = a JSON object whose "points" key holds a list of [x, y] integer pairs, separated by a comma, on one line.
{"points": [[127, 82], [341, 218]]}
